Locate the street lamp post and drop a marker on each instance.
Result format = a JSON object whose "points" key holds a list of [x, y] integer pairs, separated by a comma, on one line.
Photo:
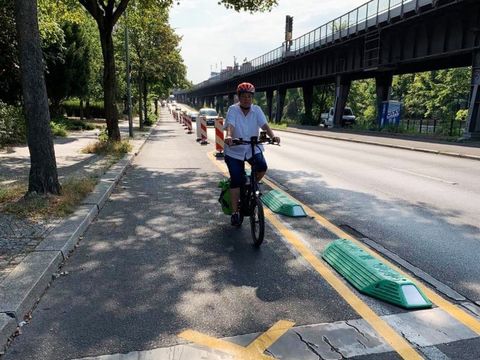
{"points": [[129, 95]]}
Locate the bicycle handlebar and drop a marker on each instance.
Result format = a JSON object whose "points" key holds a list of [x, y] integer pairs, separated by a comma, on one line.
{"points": [[254, 140]]}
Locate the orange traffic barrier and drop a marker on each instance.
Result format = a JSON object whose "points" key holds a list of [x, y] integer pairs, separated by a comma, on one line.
{"points": [[189, 124], [219, 139], [203, 130]]}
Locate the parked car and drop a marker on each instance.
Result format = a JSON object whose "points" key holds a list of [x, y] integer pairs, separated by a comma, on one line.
{"points": [[193, 115], [210, 114], [348, 118]]}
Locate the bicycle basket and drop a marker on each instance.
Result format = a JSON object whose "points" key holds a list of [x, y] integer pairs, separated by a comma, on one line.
{"points": [[224, 198]]}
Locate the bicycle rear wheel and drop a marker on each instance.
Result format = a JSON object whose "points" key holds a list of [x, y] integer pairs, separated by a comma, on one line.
{"points": [[257, 222]]}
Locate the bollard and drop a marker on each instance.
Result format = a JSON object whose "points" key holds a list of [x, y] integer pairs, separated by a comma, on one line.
{"points": [[198, 130], [203, 130], [189, 124], [219, 140]]}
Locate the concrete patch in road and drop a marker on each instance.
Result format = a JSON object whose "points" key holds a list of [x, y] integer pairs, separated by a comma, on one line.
{"points": [[26, 283], [337, 340], [65, 237], [179, 352], [7, 327], [429, 327]]}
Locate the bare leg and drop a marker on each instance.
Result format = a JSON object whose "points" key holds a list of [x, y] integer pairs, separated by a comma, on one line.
{"points": [[235, 196], [260, 175]]}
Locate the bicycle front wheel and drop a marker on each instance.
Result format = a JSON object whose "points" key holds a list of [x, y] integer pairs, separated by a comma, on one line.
{"points": [[257, 222]]}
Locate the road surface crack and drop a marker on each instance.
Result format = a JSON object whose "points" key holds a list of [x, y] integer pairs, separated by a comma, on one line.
{"points": [[310, 346]]}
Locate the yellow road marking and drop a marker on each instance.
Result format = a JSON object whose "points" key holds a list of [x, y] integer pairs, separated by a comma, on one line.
{"points": [[254, 351], [462, 316], [397, 342]]}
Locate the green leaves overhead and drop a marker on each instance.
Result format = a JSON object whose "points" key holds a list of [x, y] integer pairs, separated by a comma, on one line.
{"points": [[249, 5]]}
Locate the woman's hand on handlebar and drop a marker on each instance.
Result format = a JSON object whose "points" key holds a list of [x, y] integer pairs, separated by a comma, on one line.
{"points": [[229, 141]]}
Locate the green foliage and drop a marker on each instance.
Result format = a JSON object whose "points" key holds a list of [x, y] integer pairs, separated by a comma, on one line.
{"points": [[10, 87], [461, 115], [72, 124], [249, 5], [94, 109], [58, 129], [12, 125], [362, 100]]}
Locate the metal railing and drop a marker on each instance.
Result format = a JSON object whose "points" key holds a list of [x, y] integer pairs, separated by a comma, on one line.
{"points": [[364, 17]]}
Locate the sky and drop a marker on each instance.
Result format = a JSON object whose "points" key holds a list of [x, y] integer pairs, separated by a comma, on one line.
{"points": [[213, 35]]}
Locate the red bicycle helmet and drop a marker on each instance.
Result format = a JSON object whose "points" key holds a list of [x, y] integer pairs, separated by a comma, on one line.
{"points": [[245, 88]]}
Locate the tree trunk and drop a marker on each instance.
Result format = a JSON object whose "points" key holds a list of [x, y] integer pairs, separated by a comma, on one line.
{"points": [[145, 100], [156, 107], [109, 82], [43, 176], [140, 102], [81, 109]]}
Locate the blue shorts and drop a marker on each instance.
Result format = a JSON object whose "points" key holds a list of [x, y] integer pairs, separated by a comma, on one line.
{"points": [[237, 168]]}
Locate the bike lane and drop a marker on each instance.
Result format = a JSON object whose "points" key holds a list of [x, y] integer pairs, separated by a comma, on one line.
{"points": [[161, 260]]}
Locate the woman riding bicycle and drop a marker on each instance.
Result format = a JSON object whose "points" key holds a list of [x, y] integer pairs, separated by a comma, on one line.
{"points": [[244, 120]]}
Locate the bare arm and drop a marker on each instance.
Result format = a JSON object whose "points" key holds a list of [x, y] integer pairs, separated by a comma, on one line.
{"points": [[270, 133], [229, 135]]}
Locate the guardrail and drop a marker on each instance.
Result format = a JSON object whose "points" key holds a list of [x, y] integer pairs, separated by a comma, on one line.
{"points": [[364, 17]]}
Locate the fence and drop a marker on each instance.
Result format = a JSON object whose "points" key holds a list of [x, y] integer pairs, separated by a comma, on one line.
{"points": [[433, 126]]}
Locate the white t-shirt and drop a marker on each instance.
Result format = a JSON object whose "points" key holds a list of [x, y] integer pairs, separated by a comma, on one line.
{"points": [[244, 127]]}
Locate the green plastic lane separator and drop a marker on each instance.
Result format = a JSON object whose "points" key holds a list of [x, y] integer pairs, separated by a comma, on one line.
{"points": [[372, 277], [280, 203]]}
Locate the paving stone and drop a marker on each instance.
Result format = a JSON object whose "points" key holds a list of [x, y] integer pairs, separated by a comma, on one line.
{"points": [[8, 326], [26, 283], [429, 327]]}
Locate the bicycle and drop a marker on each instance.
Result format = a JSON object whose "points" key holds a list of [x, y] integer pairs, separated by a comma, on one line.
{"points": [[250, 204]]}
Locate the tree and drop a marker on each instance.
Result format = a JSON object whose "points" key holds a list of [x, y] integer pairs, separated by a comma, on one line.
{"points": [[68, 73], [10, 87], [155, 57], [107, 15], [43, 176]]}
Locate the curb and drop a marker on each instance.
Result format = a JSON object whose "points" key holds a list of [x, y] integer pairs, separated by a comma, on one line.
{"points": [[376, 143], [24, 286]]}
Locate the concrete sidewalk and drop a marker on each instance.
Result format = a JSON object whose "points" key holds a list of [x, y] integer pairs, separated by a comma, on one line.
{"points": [[32, 250]]}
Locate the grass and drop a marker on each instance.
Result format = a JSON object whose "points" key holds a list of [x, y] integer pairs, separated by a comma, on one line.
{"points": [[33, 206], [113, 148], [278, 126], [11, 192]]}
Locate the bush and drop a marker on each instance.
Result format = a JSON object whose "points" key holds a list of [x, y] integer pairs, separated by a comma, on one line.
{"points": [[94, 110], [58, 129], [12, 125], [72, 124]]}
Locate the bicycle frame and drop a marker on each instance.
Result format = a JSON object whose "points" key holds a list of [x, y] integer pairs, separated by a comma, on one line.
{"points": [[249, 192]]}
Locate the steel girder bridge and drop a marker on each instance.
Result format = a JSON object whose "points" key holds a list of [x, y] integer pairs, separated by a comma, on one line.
{"points": [[379, 39]]}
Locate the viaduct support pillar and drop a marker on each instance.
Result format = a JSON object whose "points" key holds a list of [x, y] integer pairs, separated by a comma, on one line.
{"points": [[219, 105], [269, 94], [472, 129], [308, 102], [231, 99], [384, 86], [341, 95], [281, 93]]}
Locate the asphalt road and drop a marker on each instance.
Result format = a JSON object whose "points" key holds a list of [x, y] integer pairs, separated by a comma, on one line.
{"points": [[423, 207], [161, 258]]}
